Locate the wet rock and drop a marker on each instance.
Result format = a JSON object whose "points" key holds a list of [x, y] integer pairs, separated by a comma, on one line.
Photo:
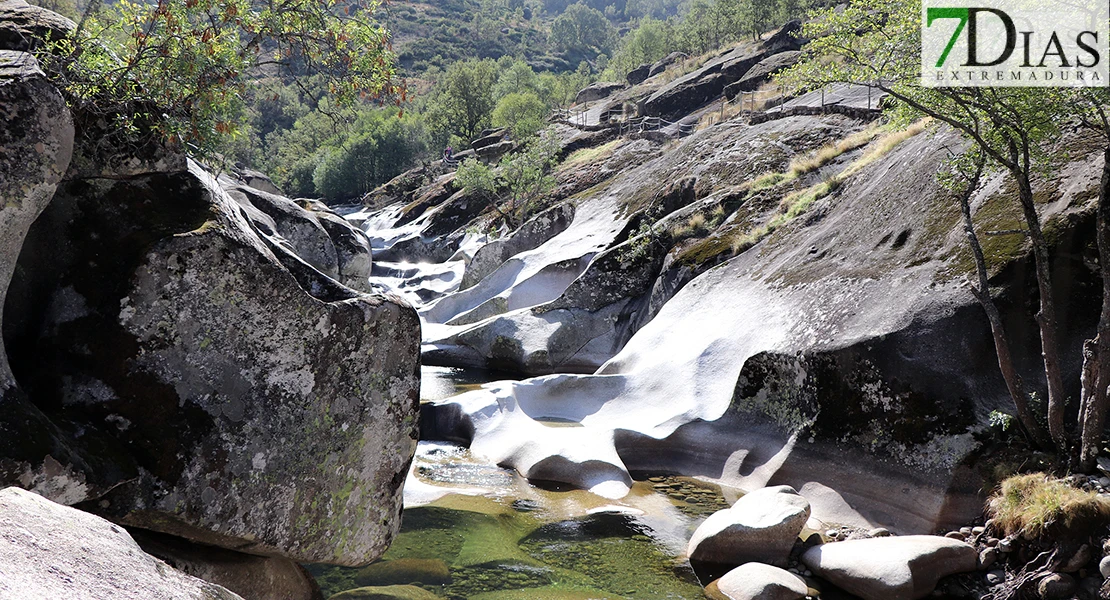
{"points": [[597, 91], [53, 551], [1055, 586], [895, 568], [25, 27], [762, 526], [270, 409], [421, 571], [756, 581], [387, 592]]}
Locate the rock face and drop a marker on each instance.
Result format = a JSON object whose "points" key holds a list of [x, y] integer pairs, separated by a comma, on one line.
{"points": [[794, 340], [51, 551], [36, 144], [250, 576], [597, 91], [893, 568], [638, 75], [301, 230], [668, 60], [761, 72], [536, 231], [269, 409], [757, 581], [761, 527]]}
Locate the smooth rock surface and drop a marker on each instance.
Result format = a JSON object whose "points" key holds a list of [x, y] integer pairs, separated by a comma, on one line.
{"points": [[762, 526], [894, 568], [49, 551], [757, 581]]}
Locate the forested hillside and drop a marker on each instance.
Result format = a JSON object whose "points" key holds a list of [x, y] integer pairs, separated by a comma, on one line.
{"points": [[461, 67]]}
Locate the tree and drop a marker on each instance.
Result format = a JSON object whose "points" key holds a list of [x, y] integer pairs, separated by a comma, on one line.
{"points": [[462, 99], [1095, 384], [523, 112], [520, 180], [877, 43], [517, 77], [177, 69], [380, 146], [650, 41], [583, 30]]}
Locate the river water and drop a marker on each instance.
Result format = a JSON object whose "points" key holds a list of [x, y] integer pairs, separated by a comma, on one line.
{"points": [[471, 529]]}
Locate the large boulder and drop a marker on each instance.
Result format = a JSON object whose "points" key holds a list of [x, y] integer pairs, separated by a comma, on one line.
{"points": [[597, 91], [306, 237], [891, 568], [530, 235], [639, 74], [252, 577], [668, 60], [25, 27], [757, 581], [270, 409], [690, 92], [52, 551], [36, 144], [761, 527], [762, 71]]}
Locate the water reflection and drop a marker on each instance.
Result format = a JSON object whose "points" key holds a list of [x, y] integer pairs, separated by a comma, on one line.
{"points": [[474, 530]]}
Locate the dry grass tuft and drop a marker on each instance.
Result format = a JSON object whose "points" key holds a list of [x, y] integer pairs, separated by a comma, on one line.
{"points": [[589, 155], [1032, 504]]}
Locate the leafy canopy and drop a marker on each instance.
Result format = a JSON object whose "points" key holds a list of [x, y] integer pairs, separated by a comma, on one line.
{"points": [[179, 68]]}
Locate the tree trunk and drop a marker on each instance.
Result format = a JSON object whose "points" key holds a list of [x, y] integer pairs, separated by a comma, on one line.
{"points": [[1014, 385], [1046, 316], [1097, 377]]}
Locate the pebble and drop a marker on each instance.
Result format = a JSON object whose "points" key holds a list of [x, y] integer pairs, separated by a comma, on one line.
{"points": [[1104, 481], [1056, 586], [988, 557], [978, 530], [991, 541], [1005, 545], [955, 535], [1104, 567], [966, 531], [996, 577], [879, 532]]}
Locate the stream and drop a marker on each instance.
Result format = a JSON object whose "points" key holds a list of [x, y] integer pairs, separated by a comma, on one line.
{"points": [[471, 529]]}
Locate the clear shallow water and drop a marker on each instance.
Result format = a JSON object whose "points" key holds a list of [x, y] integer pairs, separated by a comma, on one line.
{"points": [[471, 529]]}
